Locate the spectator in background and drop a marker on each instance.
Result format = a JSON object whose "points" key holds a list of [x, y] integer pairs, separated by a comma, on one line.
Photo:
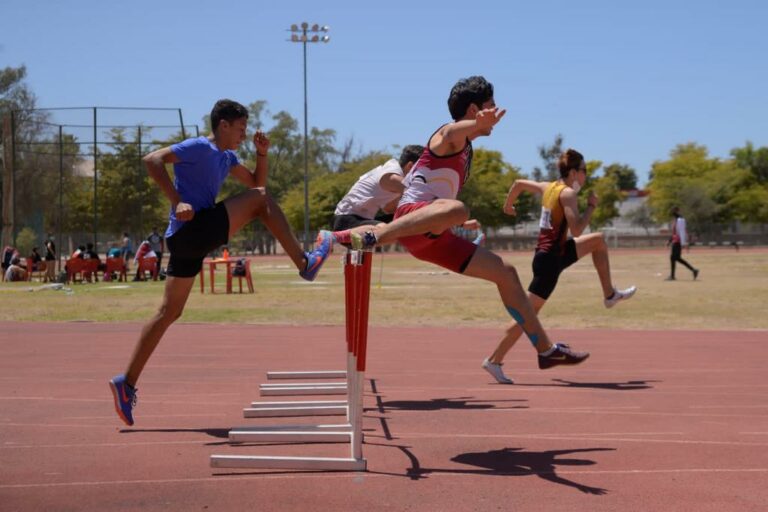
{"points": [[678, 240], [15, 271], [114, 252], [157, 244], [9, 253], [50, 259], [79, 253], [34, 260], [144, 251], [126, 251]]}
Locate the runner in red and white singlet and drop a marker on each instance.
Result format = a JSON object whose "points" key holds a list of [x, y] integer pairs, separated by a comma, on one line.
{"points": [[429, 210]]}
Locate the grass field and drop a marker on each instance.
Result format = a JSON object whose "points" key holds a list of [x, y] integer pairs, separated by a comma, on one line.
{"points": [[731, 293]]}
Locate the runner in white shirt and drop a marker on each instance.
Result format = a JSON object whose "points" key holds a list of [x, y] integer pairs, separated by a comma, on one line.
{"points": [[378, 189]]}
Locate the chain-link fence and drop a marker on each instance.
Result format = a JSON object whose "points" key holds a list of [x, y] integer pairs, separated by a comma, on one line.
{"points": [[75, 174]]}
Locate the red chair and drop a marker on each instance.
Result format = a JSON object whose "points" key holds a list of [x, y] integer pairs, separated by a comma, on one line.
{"points": [[37, 270], [148, 265], [91, 270], [117, 266], [76, 268], [247, 276]]}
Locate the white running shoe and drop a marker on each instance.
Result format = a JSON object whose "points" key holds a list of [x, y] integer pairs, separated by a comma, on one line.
{"points": [[619, 295], [496, 372]]}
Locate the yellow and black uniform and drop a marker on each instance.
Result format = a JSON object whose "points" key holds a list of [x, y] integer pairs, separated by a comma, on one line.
{"points": [[554, 250]]}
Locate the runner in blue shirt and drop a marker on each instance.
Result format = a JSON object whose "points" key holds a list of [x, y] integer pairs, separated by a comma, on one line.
{"points": [[198, 224]]}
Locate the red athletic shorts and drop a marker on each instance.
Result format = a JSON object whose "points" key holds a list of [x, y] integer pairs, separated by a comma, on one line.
{"points": [[446, 249]]}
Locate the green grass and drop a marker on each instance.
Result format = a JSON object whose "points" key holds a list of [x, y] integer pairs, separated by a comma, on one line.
{"points": [[731, 293]]}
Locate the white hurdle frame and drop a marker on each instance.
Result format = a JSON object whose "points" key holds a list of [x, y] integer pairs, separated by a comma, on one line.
{"points": [[357, 281]]}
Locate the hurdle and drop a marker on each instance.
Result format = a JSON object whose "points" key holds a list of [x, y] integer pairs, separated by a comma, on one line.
{"points": [[357, 283]]}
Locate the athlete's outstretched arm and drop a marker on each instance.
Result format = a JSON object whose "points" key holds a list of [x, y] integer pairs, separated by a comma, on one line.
{"points": [[451, 137], [520, 186]]}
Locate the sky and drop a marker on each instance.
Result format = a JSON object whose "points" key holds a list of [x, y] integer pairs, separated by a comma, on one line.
{"points": [[621, 81]]}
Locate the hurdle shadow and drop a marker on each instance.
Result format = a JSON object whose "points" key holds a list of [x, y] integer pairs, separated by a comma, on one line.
{"points": [[517, 462], [629, 385], [436, 404]]}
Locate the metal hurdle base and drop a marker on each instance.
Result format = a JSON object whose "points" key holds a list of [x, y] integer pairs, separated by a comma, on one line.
{"points": [[318, 463], [303, 390], [357, 272], [280, 409], [319, 374]]}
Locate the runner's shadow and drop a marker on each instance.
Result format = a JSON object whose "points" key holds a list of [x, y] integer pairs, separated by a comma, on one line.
{"points": [[515, 462], [616, 386], [436, 404], [220, 433]]}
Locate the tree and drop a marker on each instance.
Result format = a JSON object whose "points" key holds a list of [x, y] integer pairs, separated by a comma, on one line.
{"points": [[626, 177], [127, 201], [326, 191], [607, 190], [487, 187], [642, 216], [550, 156], [690, 180], [754, 160]]}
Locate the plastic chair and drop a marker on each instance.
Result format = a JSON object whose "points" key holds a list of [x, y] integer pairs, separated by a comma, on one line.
{"points": [[91, 270], [117, 266], [148, 265], [247, 276], [75, 270], [37, 271]]}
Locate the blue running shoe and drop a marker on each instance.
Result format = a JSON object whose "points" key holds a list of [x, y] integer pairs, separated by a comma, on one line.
{"points": [[479, 239], [316, 258], [125, 398]]}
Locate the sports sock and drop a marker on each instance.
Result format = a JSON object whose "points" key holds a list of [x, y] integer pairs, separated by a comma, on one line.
{"points": [[343, 237], [549, 351]]}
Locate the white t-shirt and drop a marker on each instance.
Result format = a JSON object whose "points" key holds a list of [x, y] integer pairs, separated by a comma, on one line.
{"points": [[681, 231], [366, 197]]}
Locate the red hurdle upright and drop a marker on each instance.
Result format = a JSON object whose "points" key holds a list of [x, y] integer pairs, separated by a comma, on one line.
{"points": [[357, 286]]}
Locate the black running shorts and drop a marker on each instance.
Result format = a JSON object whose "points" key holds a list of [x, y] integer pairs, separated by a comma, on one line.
{"points": [[547, 267], [208, 230]]}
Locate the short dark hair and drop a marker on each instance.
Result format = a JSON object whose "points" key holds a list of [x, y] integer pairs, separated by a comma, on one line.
{"points": [[227, 110], [467, 91], [570, 159], [411, 153]]}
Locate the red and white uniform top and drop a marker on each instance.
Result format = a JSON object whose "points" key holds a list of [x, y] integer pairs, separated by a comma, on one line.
{"points": [[437, 177]]}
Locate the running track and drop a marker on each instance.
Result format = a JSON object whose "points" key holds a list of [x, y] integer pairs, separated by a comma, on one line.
{"points": [[654, 420]]}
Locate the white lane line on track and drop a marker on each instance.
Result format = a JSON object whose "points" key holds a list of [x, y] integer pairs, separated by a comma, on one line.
{"points": [[226, 478], [424, 435]]}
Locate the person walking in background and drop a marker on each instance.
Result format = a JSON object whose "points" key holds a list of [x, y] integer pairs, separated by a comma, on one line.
{"points": [[678, 240]]}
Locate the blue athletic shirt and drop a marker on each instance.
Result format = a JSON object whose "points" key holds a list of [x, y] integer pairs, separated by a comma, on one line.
{"points": [[199, 173]]}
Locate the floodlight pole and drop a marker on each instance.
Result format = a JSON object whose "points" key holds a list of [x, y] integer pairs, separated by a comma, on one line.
{"points": [[303, 39]]}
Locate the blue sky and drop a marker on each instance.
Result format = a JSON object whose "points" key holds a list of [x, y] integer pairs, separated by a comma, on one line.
{"points": [[623, 82]]}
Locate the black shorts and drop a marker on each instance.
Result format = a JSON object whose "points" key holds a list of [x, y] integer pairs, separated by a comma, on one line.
{"points": [[349, 221], [208, 230], [547, 267]]}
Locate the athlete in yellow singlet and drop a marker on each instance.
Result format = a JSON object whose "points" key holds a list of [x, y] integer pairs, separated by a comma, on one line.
{"points": [[555, 251]]}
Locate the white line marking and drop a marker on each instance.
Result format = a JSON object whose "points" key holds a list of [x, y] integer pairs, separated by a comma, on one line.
{"points": [[232, 478]]}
